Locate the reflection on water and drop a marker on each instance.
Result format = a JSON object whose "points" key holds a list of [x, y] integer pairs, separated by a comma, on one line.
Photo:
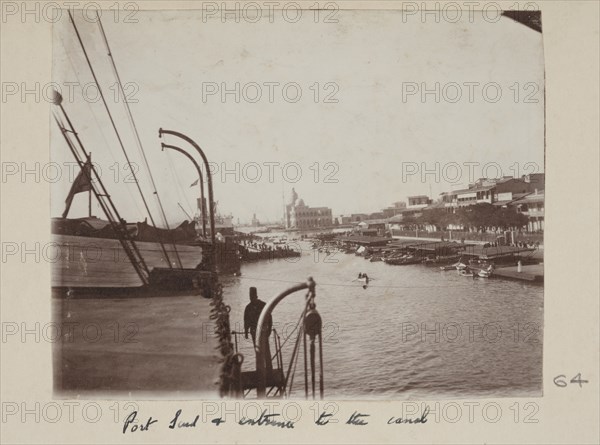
{"points": [[414, 332]]}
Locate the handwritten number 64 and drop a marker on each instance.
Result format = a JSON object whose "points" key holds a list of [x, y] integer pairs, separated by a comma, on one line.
{"points": [[560, 381]]}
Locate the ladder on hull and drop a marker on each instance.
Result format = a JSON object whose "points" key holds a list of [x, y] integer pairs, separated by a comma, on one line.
{"points": [[106, 203]]}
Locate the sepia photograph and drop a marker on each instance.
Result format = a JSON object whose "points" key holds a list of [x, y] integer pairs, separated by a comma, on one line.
{"points": [[316, 203]]}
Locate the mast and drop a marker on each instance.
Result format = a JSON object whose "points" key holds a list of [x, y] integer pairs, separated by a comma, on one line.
{"points": [[164, 250], [117, 223], [137, 138]]}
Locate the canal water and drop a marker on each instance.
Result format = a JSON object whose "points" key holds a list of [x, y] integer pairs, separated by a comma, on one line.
{"points": [[414, 333]]}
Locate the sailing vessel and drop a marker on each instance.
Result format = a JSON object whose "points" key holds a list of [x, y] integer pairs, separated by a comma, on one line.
{"points": [[109, 252]]}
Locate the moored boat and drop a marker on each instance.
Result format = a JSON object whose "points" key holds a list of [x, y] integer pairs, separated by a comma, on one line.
{"points": [[403, 261], [484, 273]]}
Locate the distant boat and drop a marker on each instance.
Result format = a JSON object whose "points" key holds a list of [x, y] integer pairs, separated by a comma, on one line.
{"points": [[442, 261], [403, 261], [465, 272], [484, 272]]}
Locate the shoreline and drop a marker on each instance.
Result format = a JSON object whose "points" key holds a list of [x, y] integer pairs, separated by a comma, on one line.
{"points": [[479, 242]]}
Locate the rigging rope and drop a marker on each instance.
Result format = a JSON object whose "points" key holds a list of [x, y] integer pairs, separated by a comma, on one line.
{"points": [[355, 285], [293, 330], [87, 102], [137, 135], [115, 129], [295, 361], [295, 353]]}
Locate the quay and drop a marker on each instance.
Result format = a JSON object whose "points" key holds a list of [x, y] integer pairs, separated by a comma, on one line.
{"points": [[256, 249], [477, 259], [249, 255], [531, 272], [135, 345]]}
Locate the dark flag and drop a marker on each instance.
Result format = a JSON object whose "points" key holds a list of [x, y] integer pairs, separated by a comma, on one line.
{"points": [[80, 184]]}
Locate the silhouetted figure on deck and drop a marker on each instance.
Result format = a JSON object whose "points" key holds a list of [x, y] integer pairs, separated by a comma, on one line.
{"points": [[251, 316]]}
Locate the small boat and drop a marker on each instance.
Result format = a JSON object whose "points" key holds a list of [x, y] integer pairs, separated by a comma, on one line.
{"points": [[403, 261], [465, 272], [454, 266], [439, 261], [485, 272]]}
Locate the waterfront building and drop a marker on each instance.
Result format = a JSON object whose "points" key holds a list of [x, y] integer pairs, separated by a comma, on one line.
{"points": [[532, 206], [500, 191], [358, 217], [395, 209], [418, 202], [415, 207], [537, 180], [376, 215], [300, 216], [372, 227], [342, 219], [449, 199]]}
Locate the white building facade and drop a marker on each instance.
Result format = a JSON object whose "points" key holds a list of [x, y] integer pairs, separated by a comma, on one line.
{"points": [[300, 216]]}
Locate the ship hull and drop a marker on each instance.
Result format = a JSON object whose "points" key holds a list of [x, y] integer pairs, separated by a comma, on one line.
{"points": [[88, 262]]}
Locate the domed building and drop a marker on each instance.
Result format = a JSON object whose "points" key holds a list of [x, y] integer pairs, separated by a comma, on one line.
{"points": [[300, 216]]}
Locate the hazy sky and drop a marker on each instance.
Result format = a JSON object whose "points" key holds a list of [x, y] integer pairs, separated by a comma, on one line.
{"points": [[369, 62]]}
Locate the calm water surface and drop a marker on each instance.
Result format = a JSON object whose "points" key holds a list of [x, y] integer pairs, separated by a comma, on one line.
{"points": [[415, 332]]}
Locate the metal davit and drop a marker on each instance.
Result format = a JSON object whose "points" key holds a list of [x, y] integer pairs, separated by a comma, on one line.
{"points": [[270, 379]]}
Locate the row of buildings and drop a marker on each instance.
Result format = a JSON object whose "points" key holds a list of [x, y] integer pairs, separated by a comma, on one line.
{"points": [[525, 195]]}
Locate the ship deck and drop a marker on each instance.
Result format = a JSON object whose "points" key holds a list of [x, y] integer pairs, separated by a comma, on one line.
{"points": [[135, 345]]}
